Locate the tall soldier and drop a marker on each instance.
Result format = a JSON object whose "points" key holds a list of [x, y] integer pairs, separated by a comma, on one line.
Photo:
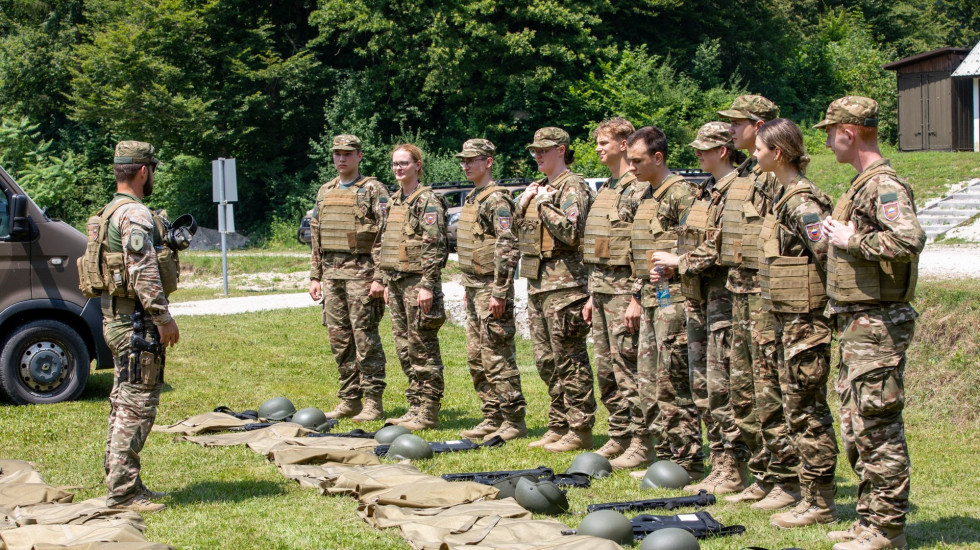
{"points": [[550, 236], [875, 240], [348, 214], [412, 251], [126, 247], [607, 253], [665, 383], [488, 255]]}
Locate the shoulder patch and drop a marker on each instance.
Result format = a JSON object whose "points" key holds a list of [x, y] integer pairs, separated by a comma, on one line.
{"points": [[890, 210], [430, 217], [814, 231], [137, 239], [569, 201], [503, 220], [572, 213], [431, 208], [503, 212], [810, 217], [890, 196]]}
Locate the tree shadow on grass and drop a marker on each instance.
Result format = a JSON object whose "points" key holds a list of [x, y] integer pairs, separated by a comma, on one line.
{"points": [[226, 491], [947, 530]]}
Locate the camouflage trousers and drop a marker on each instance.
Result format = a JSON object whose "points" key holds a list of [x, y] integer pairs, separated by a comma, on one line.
{"points": [[719, 311], [416, 336], [132, 410], [492, 357], [757, 399], [871, 385], [804, 366], [697, 365], [352, 318], [558, 339], [615, 352]]}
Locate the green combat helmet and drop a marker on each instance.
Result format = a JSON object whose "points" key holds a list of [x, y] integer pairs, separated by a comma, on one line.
{"points": [[665, 474], [386, 435], [543, 497], [671, 538], [312, 418], [276, 409], [593, 465], [508, 485], [409, 447], [607, 524]]}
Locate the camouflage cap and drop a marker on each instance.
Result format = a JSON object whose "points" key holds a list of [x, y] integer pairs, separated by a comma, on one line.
{"points": [[549, 137], [711, 135], [476, 148], [346, 142], [852, 109], [752, 107], [135, 152]]}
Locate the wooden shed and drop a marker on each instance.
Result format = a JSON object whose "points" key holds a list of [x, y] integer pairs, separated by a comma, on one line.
{"points": [[935, 111], [969, 70]]}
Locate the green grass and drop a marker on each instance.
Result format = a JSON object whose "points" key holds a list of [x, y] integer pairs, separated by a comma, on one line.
{"points": [[250, 261], [233, 498]]}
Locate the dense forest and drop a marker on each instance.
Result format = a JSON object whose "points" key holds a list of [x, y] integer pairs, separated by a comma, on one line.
{"points": [[269, 83]]}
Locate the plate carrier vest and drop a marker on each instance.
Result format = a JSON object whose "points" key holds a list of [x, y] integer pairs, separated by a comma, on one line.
{"points": [[401, 247], [343, 226], [475, 247]]}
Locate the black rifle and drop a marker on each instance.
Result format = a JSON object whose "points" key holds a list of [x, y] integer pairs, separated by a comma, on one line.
{"points": [[541, 473], [244, 415], [146, 353], [700, 524], [450, 446], [699, 500]]}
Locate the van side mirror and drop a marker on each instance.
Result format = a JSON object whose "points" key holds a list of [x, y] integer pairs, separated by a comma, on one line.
{"points": [[20, 224]]}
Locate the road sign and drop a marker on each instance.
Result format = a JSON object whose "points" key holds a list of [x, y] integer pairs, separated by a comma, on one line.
{"points": [[224, 183]]}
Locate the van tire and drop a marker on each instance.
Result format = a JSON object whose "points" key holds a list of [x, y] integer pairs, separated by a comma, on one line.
{"points": [[61, 346]]}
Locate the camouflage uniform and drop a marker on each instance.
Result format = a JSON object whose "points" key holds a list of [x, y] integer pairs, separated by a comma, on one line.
{"points": [[350, 315]]}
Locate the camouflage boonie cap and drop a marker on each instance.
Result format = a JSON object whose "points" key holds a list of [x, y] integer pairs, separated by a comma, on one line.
{"points": [[476, 148], [346, 142], [549, 137], [752, 107], [135, 152], [851, 109], [711, 135]]}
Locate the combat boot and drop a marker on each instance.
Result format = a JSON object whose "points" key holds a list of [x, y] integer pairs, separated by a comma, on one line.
{"points": [[509, 430], [613, 447], [140, 504], [875, 538], [698, 485], [549, 436], [733, 476], [574, 440], [781, 496], [639, 453], [413, 409], [427, 417], [345, 409], [816, 506], [488, 426], [372, 409], [152, 495]]}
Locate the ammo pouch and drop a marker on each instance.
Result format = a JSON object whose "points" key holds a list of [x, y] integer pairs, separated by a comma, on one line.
{"points": [[116, 277], [169, 267]]}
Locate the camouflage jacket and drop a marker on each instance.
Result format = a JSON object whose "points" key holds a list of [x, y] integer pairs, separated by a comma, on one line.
{"points": [[618, 279], [372, 200], [427, 217], [497, 216], [563, 215], [742, 280], [132, 232], [705, 257], [673, 208], [800, 222]]}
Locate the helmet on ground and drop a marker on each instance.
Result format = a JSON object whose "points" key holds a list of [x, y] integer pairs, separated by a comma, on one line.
{"points": [[508, 485], [607, 524], [312, 418], [543, 497], [671, 538], [409, 447], [665, 474], [591, 464], [386, 435], [276, 409]]}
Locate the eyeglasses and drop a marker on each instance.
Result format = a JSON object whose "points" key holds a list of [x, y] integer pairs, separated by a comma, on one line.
{"points": [[542, 151], [465, 161], [401, 164]]}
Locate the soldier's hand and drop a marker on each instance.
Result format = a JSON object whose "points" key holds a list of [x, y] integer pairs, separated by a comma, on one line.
{"points": [[169, 333], [527, 195], [633, 313], [386, 295], [424, 300], [497, 307], [587, 311], [837, 233], [659, 271], [666, 259], [315, 292], [377, 290]]}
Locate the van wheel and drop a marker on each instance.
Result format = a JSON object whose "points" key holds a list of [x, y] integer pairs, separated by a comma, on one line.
{"points": [[43, 362]]}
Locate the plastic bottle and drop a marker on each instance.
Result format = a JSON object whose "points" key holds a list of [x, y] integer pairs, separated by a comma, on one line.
{"points": [[663, 288]]}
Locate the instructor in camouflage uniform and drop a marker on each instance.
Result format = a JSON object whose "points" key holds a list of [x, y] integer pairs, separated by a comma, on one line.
{"points": [[348, 214], [488, 255], [412, 251], [875, 241]]}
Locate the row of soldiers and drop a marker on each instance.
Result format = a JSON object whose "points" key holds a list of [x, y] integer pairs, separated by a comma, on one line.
{"points": [[711, 303]]}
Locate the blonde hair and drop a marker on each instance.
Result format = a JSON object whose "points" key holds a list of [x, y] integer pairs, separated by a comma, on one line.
{"points": [[783, 134], [415, 153], [617, 127]]}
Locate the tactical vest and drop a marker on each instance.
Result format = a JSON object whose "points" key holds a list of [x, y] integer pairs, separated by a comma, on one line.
{"points": [[401, 247], [689, 237], [852, 279], [648, 235], [607, 236], [740, 226], [535, 241], [790, 284], [345, 226], [476, 248]]}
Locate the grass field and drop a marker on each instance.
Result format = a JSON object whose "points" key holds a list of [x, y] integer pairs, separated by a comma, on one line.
{"points": [[233, 498]]}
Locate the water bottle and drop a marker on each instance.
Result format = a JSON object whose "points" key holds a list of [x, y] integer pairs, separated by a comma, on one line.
{"points": [[663, 288]]}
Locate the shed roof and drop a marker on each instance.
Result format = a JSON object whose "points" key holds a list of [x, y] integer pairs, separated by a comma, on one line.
{"points": [[971, 65], [895, 65]]}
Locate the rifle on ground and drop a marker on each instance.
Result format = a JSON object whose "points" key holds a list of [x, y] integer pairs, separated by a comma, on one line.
{"points": [[699, 500]]}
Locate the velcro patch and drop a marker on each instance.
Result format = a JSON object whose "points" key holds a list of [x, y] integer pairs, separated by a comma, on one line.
{"points": [[136, 240], [814, 232], [568, 202], [810, 217], [503, 212], [430, 217], [503, 222], [431, 208], [890, 196], [890, 211]]}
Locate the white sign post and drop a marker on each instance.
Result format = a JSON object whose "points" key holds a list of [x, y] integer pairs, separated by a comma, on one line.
{"points": [[224, 191]]}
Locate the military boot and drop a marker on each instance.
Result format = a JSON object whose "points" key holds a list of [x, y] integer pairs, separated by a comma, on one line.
{"points": [[345, 409], [874, 537], [549, 436], [152, 495], [372, 409], [816, 506], [140, 504], [488, 426], [509, 430], [613, 447], [852, 532], [781, 496], [640, 453], [413, 409], [698, 485], [574, 440], [733, 476], [427, 417]]}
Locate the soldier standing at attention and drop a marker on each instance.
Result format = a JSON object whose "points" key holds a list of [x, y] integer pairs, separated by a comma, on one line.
{"points": [[554, 209], [136, 280], [665, 383], [875, 241], [607, 254], [792, 275], [348, 214], [488, 255], [412, 252]]}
